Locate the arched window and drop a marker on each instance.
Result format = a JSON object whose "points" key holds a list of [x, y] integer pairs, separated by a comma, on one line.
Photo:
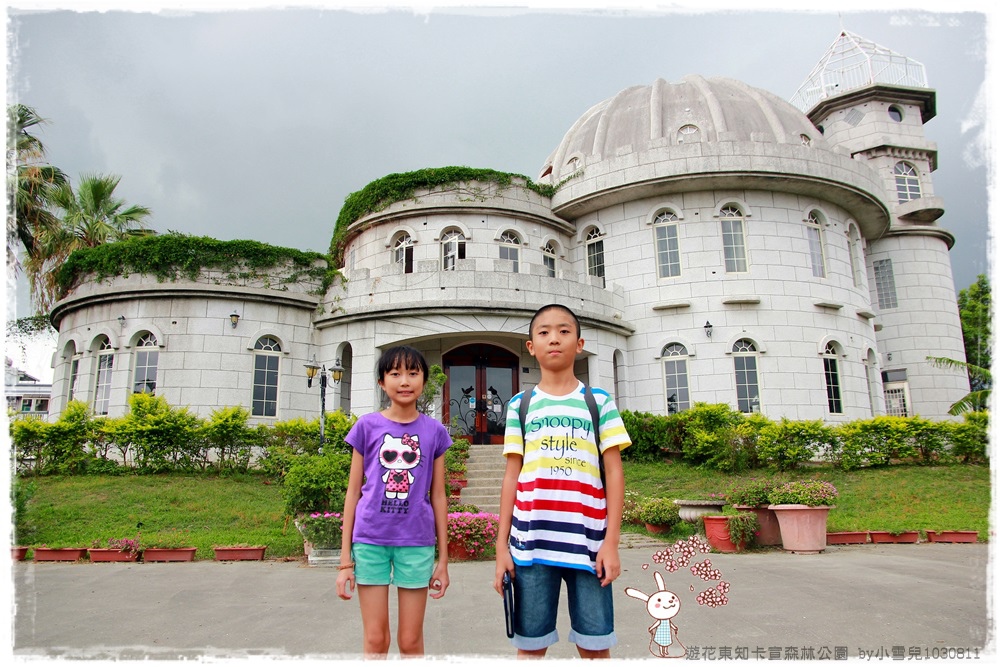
{"points": [[549, 259], [733, 240], [147, 357], [689, 134], [267, 351], [870, 375], [452, 249], [102, 384], [675, 376], [668, 252], [854, 247], [402, 252], [747, 387], [510, 248], [595, 254], [907, 182], [74, 370], [817, 254], [832, 378]]}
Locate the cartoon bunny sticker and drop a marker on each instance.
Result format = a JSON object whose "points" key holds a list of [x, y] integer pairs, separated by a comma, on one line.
{"points": [[662, 606]]}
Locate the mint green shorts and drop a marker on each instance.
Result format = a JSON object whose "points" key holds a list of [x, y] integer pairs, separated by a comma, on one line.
{"points": [[406, 567]]}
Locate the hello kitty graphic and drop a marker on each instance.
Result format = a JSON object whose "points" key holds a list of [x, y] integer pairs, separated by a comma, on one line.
{"points": [[398, 456], [663, 606]]}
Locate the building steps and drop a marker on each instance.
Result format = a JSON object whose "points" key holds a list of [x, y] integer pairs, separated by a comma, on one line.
{"points": [[485, 467]]}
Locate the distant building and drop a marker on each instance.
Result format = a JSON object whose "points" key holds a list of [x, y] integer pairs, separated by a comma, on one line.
{"points": [[719, 244], [24, 393]]}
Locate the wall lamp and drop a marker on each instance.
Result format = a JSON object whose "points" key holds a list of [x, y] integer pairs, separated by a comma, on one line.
{"points": [[708, 329], [234, 319], [121, 320]]}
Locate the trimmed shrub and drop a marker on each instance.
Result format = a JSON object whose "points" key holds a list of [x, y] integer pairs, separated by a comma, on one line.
{"points": [[786, 445], [871, 443], [970, 440], [316, 483]]}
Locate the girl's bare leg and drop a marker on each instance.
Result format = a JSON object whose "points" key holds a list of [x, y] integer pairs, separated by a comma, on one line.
{"points": [[374, 601], [410, 633]]}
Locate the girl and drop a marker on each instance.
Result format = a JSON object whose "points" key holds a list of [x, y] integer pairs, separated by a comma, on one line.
{"points": [[396, 509]]}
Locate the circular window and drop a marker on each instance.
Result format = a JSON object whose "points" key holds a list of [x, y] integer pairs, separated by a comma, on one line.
{"points": [[895, 113]]}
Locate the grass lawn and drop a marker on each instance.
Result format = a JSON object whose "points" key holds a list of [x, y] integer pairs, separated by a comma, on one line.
{"points": [[203, 511]]}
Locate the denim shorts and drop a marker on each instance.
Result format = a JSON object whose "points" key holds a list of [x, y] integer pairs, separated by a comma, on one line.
{"points": [[536, 603], [406, 567]]}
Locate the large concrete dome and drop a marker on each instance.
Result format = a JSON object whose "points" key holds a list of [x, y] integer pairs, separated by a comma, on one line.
{"points": [[719, 131]]}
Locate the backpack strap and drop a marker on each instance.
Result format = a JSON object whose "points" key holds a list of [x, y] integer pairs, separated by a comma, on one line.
{"points": [[595, 417]]}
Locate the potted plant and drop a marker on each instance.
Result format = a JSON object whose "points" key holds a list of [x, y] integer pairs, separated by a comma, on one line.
{"points": [[802, 508], [472, 536], [752, 496], [894, 536], [168, 552], [731, 532], [966, 536], [632, 508], [691, 510], [322, 532], [239, 552], [21, 492], [660, 515], [118, 550], [46, 553], [847, 537]]}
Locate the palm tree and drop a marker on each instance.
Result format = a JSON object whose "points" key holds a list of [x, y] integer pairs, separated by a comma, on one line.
{"points": [[30, 183], [974, 400], [92, 216]]}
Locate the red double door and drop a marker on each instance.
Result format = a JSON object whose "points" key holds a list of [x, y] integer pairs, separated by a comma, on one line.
{"points": [[481, 380]]}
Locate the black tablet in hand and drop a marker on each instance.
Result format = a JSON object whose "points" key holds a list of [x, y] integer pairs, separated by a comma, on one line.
{"points": [[508, 603]]}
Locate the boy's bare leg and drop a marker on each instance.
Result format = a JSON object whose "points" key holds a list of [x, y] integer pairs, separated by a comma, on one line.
{"points": [[603, 654], [531, 655]]}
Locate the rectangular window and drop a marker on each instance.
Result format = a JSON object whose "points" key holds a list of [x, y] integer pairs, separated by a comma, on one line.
{"points": [[509, 252], [668, 253], [102, 388], [41, 405], [454, 250], [678, 396], [25, 405], [550, 265], [74, 372], [832, 385], [734, 246], [816, 251], [885, 284], [265, 385], [595, 259], [897, 399], [145, 371]]}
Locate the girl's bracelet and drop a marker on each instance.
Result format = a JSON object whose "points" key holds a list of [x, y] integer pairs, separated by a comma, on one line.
{"points": [[345, 567]]}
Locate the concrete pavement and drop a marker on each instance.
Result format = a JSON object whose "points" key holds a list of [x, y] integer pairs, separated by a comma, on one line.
{"points": [[927, 600]]}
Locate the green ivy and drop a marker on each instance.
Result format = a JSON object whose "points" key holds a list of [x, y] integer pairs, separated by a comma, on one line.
{"points": [[383, 192], [173, 255]]}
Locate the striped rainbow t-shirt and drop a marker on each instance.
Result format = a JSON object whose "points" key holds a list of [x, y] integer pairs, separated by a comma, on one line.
{"points": [[560, 514]]}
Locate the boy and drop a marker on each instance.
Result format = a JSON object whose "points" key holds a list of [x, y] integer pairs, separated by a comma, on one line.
{"points": [[559, 521]]}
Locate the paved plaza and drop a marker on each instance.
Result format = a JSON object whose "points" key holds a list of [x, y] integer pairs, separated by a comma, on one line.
{"points": [[882, 602]]}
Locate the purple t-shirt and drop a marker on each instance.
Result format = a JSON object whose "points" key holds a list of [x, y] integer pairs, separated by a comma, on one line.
{"points": [[395, 508]]}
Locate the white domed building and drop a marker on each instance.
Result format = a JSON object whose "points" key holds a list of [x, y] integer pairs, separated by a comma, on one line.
{"points": [[718, 243]]}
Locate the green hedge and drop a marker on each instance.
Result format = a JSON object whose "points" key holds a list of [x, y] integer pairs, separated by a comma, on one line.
{"points": [[717, 437]]}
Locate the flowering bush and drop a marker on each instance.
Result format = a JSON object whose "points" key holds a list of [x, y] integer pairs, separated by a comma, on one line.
{"points": [[752, 493], [127, 545], [477, 532], [322, 529], [806, 492]]}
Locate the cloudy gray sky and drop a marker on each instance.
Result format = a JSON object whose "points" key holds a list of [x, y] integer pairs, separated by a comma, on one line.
{"points": [[256, 123]]}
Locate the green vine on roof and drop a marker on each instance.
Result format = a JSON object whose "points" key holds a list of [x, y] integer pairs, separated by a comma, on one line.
{"points": [[382, 193], [29, 326], [173, 255]]}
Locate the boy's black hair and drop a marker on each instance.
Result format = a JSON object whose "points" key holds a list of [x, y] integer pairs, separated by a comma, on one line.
{"points": [[401, 356], [552, 306]]}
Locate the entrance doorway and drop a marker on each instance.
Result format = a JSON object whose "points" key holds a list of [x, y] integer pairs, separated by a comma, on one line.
{"points": [[481, 380]]}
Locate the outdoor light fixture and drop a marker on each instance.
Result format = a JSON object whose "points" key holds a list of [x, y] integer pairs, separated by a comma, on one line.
{"points": [[121, 320], [234, 319], [337, 371], [708, 329], [312, 368]]}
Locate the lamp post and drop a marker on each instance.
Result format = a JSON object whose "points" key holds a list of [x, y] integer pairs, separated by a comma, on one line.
{"points": [[312, 369]]}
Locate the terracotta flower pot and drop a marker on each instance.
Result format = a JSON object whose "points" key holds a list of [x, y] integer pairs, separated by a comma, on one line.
{"points": [[966, 536], [885, 537], [18, 553], [717, 532], [47, 554], [769, 534], [458, 551], [656, 529], [803, 527], [239, 553], [847, 537], [112, 556], [169, 554]]}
